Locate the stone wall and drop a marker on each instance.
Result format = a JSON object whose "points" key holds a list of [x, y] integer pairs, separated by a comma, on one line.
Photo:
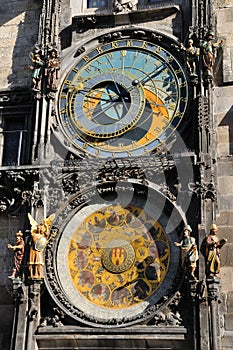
{"points": [[224, 30], [223, 109], [18, 34]]}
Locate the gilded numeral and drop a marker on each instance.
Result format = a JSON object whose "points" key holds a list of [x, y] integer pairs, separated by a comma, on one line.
{"points": [[129, 42], [87, 105], [99, 49], [123, 52], [114, 44], [86, 58], [169, 59], [172, 106], [183, 84], [144, 45], [158, 49], [178, 71], [179, 115], [84, 146]]}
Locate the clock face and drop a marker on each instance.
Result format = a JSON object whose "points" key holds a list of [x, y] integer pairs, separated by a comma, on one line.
{"points": [[123, 98], [113, 262]]}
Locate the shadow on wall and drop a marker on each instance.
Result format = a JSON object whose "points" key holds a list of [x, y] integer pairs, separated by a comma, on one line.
{"points": [[82, 23], [19, 23], [228, 121]]}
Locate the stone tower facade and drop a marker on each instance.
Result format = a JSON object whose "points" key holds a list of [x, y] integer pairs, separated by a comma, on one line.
{"points": [[116, 171]]}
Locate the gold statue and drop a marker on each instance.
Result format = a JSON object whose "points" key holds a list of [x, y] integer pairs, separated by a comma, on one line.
{"points": [[210, 248], [39, 234]]}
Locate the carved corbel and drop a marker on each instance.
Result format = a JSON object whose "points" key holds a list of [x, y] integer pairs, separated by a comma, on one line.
{"points": [[34, 301], [206, 190], [213, 289], [169, 314], [54, 319], [18, 293]]}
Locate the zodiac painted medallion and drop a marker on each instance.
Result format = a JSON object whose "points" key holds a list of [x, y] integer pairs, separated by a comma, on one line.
{"points": [[118, 257]]}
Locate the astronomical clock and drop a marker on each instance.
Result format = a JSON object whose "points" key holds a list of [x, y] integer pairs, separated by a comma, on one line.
{"points": [[109, 145], [122, 98], [113, 261]]}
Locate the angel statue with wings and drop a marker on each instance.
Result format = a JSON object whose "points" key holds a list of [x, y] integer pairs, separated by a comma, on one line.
{"points": [[39, 235]]}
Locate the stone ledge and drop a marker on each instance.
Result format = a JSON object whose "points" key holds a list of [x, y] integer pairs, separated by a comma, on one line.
{"points": [[140, 338], [144, 330]]}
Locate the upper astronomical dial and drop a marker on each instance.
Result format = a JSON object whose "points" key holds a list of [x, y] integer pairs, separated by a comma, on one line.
{"points": [[123, 98], [107, 105]]}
